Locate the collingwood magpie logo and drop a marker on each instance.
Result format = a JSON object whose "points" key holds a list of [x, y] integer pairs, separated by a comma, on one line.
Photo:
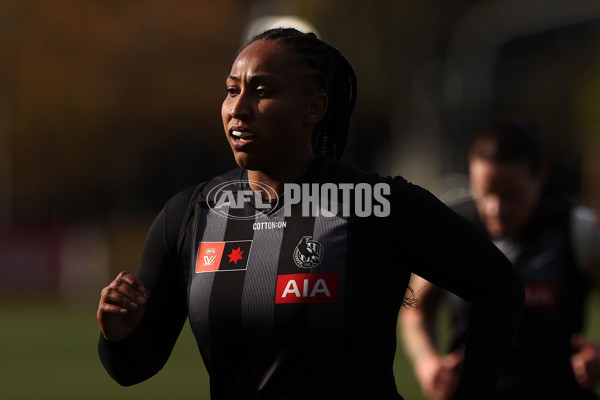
{"points": [[308, 253]]}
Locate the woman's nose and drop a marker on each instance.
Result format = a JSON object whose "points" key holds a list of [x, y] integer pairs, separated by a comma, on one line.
{"points": [[240, 106]]}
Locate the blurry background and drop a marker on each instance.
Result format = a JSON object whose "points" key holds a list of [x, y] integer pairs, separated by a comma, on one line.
{"points": [[108, 108]]}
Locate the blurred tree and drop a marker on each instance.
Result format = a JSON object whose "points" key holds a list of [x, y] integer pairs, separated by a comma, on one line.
{"points": [[113, 106], [96, 88]]}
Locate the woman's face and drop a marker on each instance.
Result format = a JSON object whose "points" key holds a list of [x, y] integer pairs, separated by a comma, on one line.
{"points": [[265, 111]]}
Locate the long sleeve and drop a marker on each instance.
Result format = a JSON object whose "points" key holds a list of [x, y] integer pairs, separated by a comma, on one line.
{"points": [[454, 255], [143, 353]]}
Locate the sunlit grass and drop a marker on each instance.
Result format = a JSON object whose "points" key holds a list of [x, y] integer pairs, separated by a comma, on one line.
{"points": [[48, 351]]}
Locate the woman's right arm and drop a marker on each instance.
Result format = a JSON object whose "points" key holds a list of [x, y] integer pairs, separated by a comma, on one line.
{"points": [[141, 315]]}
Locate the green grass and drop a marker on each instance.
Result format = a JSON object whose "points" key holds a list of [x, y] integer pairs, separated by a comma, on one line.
{"points": [[48, 351]]}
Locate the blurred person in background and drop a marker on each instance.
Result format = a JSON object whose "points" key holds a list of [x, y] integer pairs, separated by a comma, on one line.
{"points": [[299, 306], [555, 248]]}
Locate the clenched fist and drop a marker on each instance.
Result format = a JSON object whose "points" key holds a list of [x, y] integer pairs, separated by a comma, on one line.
{"points": [[122, 306]]}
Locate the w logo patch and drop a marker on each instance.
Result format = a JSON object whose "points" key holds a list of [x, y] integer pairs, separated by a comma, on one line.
{"points": [[223, 256]]}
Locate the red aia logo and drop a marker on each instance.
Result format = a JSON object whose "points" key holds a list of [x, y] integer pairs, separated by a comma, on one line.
{"points": [[541, 296], [306, 288]]}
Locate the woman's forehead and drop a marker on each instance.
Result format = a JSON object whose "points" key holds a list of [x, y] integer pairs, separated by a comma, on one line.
{"points": [[264, 57]]}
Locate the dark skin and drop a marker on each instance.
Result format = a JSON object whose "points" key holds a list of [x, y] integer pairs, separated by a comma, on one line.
{"points": [[269, 116], [122, 305], [271, 99]]}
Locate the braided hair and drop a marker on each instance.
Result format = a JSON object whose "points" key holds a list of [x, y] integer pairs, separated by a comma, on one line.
{"points": [[333, 74]]}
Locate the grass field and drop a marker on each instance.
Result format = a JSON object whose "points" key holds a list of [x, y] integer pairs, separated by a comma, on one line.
{"points": [[48, 351]]}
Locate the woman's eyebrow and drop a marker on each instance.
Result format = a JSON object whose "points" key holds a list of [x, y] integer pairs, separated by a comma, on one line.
{"points": [[253, 78]]}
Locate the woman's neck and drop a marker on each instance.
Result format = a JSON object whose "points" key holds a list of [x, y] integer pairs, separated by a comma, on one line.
{"points": [[277, 178]]}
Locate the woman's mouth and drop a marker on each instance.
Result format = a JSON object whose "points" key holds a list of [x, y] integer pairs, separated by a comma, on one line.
{"points": [[242, 135], [240, 138]]}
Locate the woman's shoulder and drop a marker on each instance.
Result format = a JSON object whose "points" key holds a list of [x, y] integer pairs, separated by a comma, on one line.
{"points": [[178, 207], [199, 192], [343, 171]]}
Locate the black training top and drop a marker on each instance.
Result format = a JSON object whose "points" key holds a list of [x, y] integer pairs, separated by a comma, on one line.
{"points": [[556, 291], [305, 307]]}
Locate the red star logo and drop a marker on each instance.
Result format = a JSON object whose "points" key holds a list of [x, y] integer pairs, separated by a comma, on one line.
{"points": [[235, 255]]}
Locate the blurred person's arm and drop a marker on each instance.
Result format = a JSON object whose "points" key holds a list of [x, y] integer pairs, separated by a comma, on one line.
{"points": [[132, 351], [437, 374], [450, 252], [585, 228]]}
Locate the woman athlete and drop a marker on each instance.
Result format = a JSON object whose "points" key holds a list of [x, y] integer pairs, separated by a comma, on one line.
{"points": [[298, 299]]}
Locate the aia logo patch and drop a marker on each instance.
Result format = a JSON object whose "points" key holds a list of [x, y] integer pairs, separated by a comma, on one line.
{"points": [[223, 256], [541, 296], [307, 288], [308, 253]]}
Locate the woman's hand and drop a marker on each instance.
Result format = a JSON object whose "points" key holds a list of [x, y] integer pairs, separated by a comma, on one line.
{"points": [[122, 305]]}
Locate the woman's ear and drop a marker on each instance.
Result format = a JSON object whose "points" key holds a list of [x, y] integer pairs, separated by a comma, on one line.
{"points": [[317, 107]]}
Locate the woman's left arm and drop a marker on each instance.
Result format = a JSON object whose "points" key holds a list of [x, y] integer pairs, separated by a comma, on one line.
{"points": [[451, 253]]}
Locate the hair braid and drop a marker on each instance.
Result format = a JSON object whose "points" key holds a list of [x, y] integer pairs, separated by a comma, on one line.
{"points": [[332, 73]]}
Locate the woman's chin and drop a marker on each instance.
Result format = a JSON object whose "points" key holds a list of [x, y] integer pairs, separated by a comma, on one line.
{"points": [[246, 161]]}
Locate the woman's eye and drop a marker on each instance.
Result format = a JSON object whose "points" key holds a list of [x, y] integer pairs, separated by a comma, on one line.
{"points": [[232, 91], [263, 92]]}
